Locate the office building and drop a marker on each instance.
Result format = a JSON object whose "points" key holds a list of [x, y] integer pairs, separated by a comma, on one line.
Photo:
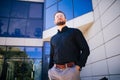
{"points": [[26, 27]]}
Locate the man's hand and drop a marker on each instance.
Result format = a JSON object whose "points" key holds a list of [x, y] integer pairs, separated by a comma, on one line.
{"points": [[77, 67]]}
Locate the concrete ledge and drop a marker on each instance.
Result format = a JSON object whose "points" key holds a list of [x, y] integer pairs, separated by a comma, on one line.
{"points": [[20, 42]]}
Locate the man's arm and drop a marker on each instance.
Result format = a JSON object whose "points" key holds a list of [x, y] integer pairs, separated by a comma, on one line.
{"points": [[83, 46], [51, 63]]}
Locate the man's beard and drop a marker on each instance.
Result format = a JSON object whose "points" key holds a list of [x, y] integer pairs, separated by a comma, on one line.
{"points": [[60, 23]]}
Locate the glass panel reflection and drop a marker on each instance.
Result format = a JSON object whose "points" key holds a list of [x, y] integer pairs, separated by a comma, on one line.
{"points": [[82, 6], [19, 9], [34, 28], [67, 7], [3, 27], [50, 2], [46, 47], [50, 16], [17, 27], [27, 69], [36, 11], [46, 53], [33, 52], [15, 64], [37, 68], [14, 16], [5, 6]]}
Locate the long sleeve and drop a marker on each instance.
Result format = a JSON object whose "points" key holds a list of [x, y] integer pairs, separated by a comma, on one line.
{"points": [[83, 47], [51, 63]]}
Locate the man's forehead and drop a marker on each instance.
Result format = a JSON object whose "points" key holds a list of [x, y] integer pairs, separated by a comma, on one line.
{"points": [[57, 14]]}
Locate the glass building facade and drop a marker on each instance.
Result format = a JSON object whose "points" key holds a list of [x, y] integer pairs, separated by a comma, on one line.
{"points": [[21, 63], [21, 19]]}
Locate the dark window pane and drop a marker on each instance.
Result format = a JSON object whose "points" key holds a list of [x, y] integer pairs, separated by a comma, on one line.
{"points": [[17, 27], [5, 6], [50, 2], [36, 11], [18, 64], [2, 52], [46, 47], [82, 6], [46, 58], [19, 9], [50, 16], [67, 8], [34, 52], [34, 28], [37, 67], [3, 27]]}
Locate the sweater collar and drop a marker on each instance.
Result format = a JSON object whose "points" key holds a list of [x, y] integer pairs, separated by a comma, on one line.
{"points": [[63, 29]]}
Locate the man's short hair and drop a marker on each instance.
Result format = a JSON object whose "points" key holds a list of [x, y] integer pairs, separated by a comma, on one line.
{"points": [[60, 12]]}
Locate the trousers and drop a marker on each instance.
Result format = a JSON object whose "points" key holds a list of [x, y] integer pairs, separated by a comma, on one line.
{"points": [[64, 74]]}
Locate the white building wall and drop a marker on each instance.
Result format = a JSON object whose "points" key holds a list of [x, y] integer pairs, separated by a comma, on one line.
{"points": [[104, 41]]}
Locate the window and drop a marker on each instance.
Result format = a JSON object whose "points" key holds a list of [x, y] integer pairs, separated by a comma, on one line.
{"points": [[17, 27], [19, 9], [50, 2], [46, 51], [5, 7], [67, 7], [3, 27], [81, 7], [34, 52], [36, 11], [46, 47], [24, 63], [50, 16], [34, 28], [21, 19]]}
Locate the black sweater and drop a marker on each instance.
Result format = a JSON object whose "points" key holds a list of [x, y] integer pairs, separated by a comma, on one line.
{"points": [[68, 45]]}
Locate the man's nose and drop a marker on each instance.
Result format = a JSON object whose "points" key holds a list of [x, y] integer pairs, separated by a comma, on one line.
{"points": [[59, 16]]}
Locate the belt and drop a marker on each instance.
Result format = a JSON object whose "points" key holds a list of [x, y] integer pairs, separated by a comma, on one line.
{"points": [[63, 66]]}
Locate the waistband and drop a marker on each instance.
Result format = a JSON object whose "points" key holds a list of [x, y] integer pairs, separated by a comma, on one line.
{"points": [[64, 66]]}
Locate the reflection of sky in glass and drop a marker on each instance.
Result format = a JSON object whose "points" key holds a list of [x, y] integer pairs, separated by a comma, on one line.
{"points": [[34, 52], [67, 7], [50, 16], [50, 2], [21, 48], [83, 7], [37, 62]]}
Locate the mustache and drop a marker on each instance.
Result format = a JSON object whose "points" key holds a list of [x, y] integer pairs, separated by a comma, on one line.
{"points": [[60, 23]]}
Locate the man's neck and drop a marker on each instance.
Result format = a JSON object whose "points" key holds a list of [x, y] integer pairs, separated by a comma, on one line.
{"points": [[60, 27]]}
